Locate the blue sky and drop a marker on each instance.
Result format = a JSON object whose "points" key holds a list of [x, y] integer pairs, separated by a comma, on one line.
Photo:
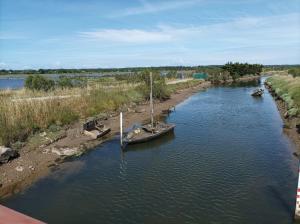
{"points": [[121, 33]]}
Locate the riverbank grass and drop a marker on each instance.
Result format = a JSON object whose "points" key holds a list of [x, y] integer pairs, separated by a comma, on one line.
{"points": [[287, 87], [26, 112]]}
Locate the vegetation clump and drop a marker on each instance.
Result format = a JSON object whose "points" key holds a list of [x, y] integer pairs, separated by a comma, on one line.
{"points": [[295, 72], [38, 82], [65, 82], [160, 89]]}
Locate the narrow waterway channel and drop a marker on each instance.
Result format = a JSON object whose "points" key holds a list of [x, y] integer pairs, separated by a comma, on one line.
{"points": [[227, 162]]}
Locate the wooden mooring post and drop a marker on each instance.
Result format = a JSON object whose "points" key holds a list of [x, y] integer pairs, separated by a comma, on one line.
{"points": [[121, 129]]}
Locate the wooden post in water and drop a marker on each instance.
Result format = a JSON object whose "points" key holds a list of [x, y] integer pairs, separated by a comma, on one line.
{"points": [[121, 129], [151, 102]]}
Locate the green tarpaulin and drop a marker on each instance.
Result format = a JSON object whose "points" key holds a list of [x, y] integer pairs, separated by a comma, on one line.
{"points": [[200, 76]]}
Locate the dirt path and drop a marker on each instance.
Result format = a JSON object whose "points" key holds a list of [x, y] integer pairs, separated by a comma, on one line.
{"points": [[178, 81]]}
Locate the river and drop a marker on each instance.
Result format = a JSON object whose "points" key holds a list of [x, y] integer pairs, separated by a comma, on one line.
{"points": [[227, 162]]}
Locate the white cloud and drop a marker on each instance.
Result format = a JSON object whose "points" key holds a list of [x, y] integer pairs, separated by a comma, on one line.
{"points": [[241, 32], [127, 36], [254, 39], [160, 6]]}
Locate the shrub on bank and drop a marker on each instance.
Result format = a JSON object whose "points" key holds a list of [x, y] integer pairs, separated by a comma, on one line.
{"points": [[38, 82], [295, 72], [65, 82], [160, 88]]}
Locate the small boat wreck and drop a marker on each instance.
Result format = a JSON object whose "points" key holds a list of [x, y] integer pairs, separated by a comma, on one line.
{"points": [[258, 92], [146, 132], [94, 128], [168, 111]]}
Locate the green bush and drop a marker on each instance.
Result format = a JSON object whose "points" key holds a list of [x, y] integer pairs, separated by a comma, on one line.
{"points": [[294, 71], [38, 82], [160, 89], [65, 82]]}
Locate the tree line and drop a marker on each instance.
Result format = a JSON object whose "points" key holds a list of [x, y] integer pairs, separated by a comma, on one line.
{"points": [[241, 69]]}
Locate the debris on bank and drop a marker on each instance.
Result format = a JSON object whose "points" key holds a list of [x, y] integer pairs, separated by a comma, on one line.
{"points": [[7, 154], [66, 151], [94, 128]]}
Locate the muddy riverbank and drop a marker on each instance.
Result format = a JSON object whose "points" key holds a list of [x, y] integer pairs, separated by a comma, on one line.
{"points": [[34, 164], [290, 122]]}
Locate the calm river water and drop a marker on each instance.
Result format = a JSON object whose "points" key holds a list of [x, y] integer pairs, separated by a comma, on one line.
{"points": [[227, 162]]}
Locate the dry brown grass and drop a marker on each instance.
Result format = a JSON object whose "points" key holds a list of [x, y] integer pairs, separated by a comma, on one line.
{"points": [[23, 112]]}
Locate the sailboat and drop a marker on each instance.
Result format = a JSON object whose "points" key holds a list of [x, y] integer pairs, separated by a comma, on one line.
{"points": [[149, 131]]}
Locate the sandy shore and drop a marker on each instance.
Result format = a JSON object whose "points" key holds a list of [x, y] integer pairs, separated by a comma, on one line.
{"points": [[37, 163]]}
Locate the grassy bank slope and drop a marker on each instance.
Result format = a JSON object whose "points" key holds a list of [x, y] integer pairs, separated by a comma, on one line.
{"points": [[287, 88]]}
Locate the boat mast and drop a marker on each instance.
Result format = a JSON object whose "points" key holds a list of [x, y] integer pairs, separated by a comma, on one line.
{"points": [[151, 101]]}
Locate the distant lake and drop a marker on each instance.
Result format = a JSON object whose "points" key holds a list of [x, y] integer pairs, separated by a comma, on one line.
{"points": [[18, 81], [11, 83]]}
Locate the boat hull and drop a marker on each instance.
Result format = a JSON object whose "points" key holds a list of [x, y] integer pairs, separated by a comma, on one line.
{"points": [[149, 137]]}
